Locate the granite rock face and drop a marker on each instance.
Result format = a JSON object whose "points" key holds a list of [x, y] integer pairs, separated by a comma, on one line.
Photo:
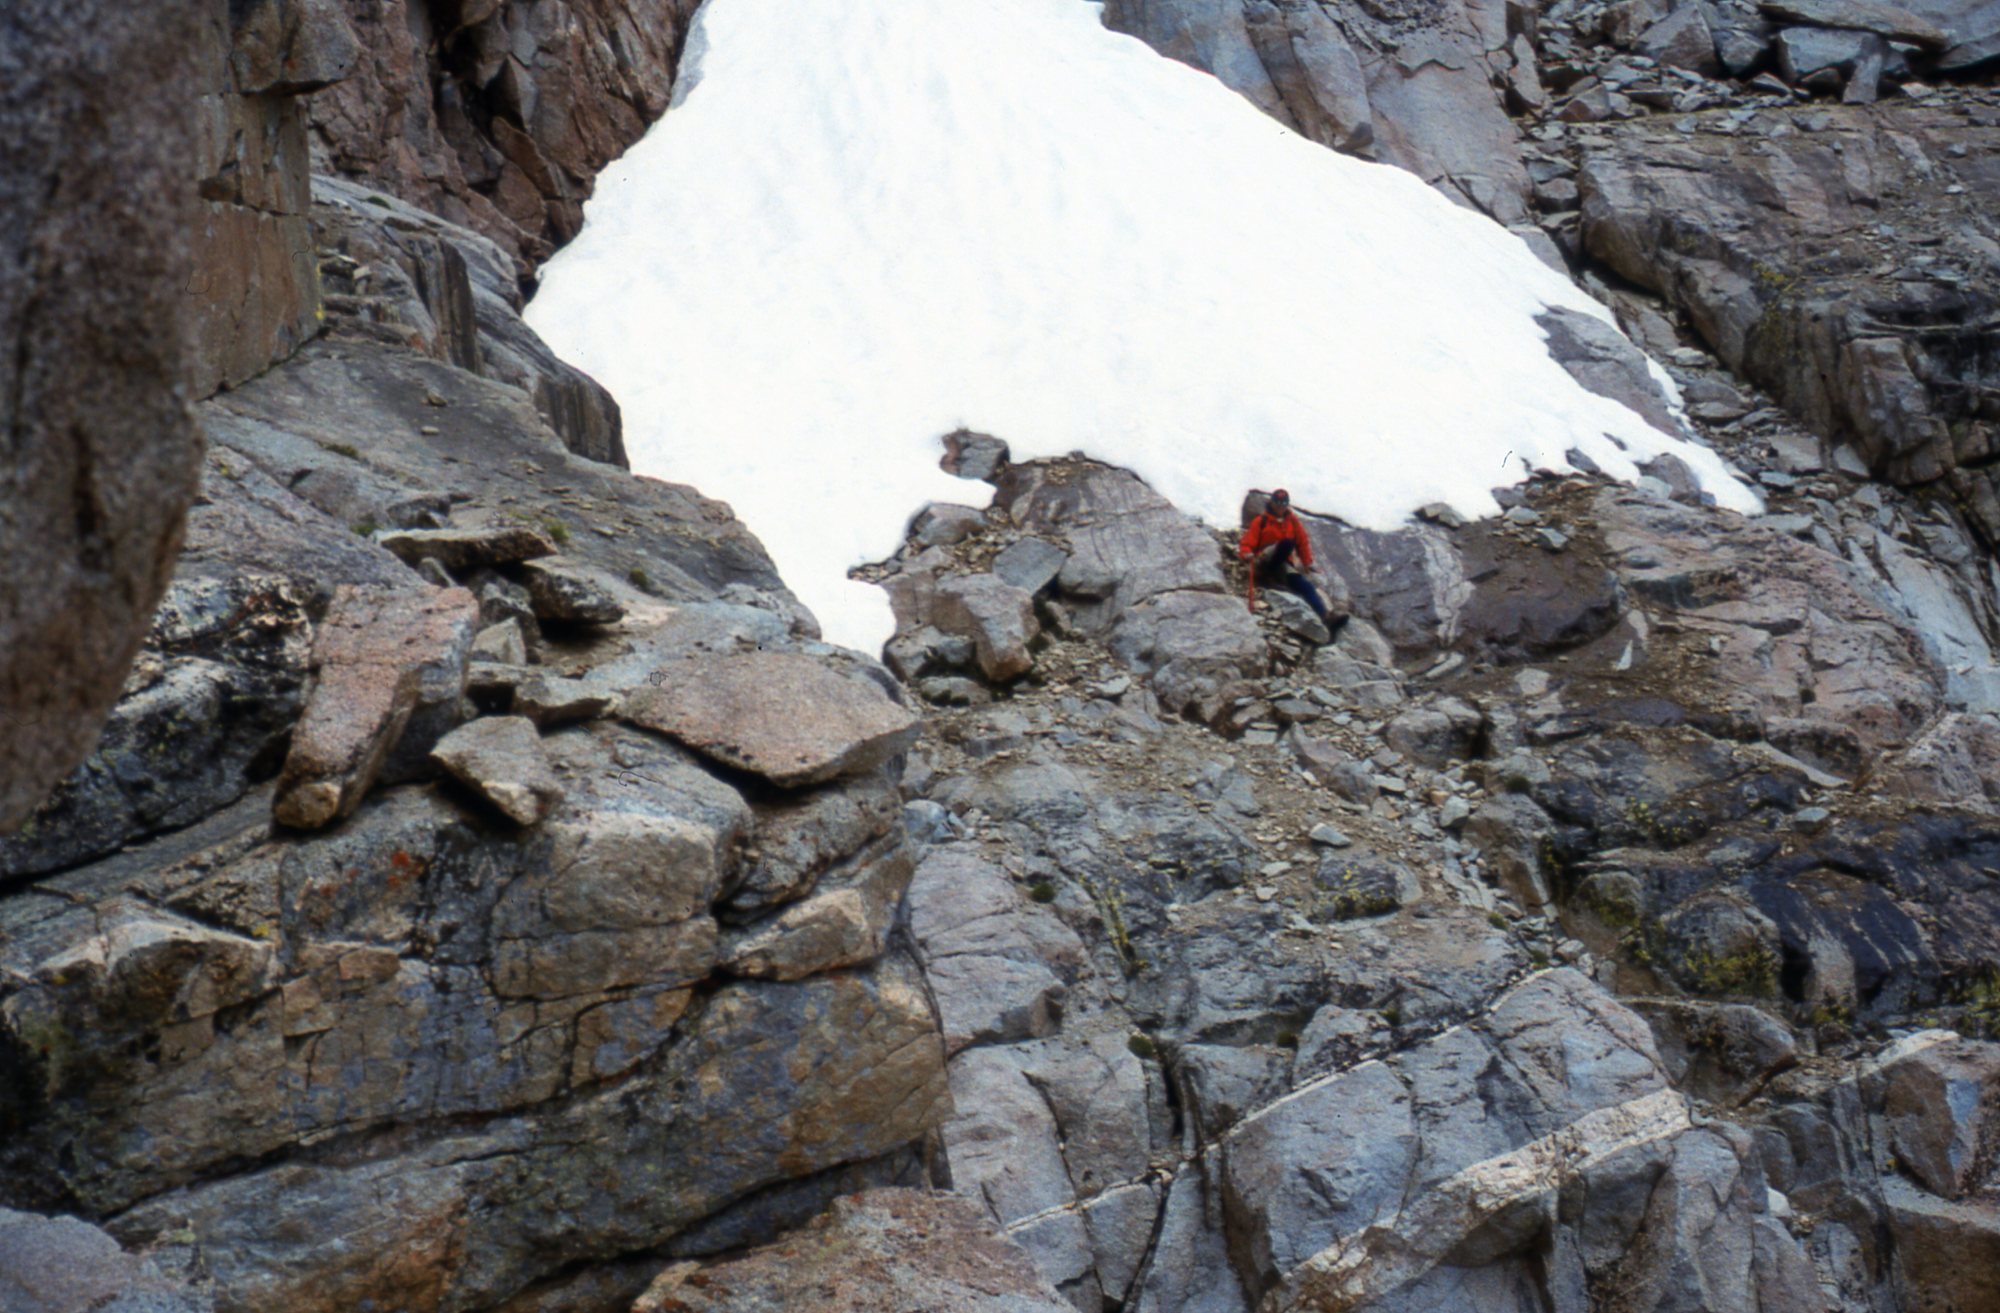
{"points": [[255, 278], [1892, 356], [497, 117], [102, 448], [1305, 998]]}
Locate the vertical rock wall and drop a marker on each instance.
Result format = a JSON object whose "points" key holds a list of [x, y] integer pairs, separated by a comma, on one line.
{"points": [[497, 114], [254, 277], [97, 446]]}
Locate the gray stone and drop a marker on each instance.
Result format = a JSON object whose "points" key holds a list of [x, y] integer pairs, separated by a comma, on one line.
{"points": [[501, 759], [500, 644], [997, 616], [1298, 618], [1030, 563], [971, 455], [561, 595], [1681, 40], [1436, 735], [1941, 1097], [551, 700], [65, 1265], [1329, 835], [1859, 15], [942, 524]]}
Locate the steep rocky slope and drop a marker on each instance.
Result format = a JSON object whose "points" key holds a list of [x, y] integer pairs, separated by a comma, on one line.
{"points": [[488, 893], [1386, 892]]}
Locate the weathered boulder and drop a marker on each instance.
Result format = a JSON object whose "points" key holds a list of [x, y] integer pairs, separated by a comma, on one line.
{"points": [[103, 453], [779, 715], [1682, 39], [1944, 1249], [564, 596], [1942, 1103], [1436, 735], [1127, 543], [381, 661], [500, 758], [63, 1265], [995, 617], [461, 549]]}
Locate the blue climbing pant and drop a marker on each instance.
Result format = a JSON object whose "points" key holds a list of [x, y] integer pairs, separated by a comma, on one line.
{"points": [[1277, 570]]}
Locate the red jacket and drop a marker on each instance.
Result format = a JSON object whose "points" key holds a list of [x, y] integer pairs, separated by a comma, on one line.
{"points": [[1264, 531]]}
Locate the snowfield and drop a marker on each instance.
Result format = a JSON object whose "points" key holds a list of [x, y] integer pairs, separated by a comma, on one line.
{"points": [[867, 223]]}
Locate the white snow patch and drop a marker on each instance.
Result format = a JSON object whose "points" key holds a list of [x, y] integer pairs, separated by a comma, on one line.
{"points": [[870, 222]]}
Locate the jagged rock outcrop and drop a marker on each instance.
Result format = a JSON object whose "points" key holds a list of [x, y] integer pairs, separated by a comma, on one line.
{"points": [[497, 116], [254, 279], [395, 273], [1892, 354], [487, 866]]}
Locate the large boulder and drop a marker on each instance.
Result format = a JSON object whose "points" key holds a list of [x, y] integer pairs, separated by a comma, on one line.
{"points": [[380, 661], [102, 450], [779, 715]]}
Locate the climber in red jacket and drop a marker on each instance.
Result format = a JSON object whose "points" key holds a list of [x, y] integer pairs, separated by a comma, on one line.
{"points": [[1274, 540]]}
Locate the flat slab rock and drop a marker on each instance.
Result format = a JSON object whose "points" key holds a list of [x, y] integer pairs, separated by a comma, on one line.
{"points": [[466, 548], [501, 759], [374, 654], [786, 717], [885, 1249]]}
